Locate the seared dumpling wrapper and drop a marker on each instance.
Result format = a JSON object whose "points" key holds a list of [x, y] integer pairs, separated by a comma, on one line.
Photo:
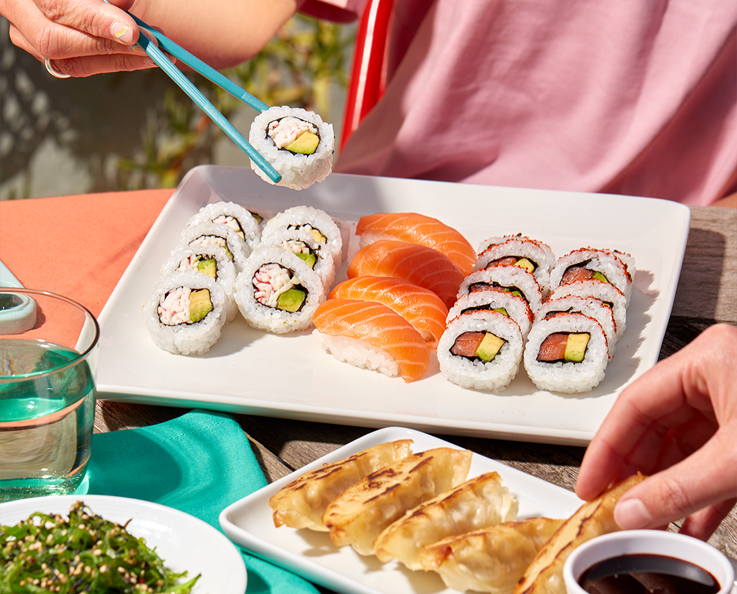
{"points": [[477, 503], [544, 575], [361, 512], [301, 503], [489, 560]]}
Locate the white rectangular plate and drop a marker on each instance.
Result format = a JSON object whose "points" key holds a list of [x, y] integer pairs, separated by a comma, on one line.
{"points": [[249, 523], [250, 371]]}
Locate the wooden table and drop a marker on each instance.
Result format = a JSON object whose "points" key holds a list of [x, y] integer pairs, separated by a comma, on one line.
{"points": [[95, 236]]}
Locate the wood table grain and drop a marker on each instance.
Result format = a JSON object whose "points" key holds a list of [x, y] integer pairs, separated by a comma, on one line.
{"points": [[706, 294]]}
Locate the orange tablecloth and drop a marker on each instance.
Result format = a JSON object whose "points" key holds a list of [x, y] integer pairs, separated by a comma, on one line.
{"points": [[78, 246]]}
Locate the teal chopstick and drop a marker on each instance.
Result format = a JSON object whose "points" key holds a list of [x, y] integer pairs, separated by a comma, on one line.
{"points": [[204, 69], [186, 85]]}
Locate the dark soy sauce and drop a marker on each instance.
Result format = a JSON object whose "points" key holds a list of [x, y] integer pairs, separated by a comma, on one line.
{"points": [[654, 574]]}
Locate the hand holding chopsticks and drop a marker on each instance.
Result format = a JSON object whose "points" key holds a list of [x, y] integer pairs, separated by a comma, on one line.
{"points": [[213, 75]]}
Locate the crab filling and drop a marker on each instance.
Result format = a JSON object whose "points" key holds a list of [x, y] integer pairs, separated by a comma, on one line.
{"points": [[302, 251], [477, 345], [277, 287], [230, 222], [184, 306], [294, 135], [216, 240], [201, 263]]}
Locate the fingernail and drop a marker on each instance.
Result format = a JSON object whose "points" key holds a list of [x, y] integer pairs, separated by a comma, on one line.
{"points": [[123, 33], [632, 514]]}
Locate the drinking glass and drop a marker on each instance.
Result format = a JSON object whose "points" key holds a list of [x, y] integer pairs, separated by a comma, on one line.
{"points": [[48, 361]]}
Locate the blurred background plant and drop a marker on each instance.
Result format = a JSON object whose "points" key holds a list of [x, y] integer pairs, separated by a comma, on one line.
{"points": [[138, 130]]}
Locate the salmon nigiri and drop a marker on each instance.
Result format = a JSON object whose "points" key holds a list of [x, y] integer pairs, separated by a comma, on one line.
{"points": [[419, 306], [423, 230], [418, 264], [382, 339]]}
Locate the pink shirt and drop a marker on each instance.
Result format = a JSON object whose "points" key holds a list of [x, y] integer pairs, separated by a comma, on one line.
{"points": [[627, 96]]}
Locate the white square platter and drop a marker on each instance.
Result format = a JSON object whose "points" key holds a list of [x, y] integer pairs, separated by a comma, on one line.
{"points": [[250, 371], [312, 555]]}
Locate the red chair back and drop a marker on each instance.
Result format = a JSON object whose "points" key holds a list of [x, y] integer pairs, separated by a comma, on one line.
{"points": [[368, 73]]}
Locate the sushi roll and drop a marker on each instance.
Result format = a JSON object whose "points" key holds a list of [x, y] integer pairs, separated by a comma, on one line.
{"points": [[516, 250], [317, 221], [370, 335], [277, 291], [481, 350], [207, 234], [507, 279], [420, 307], [241, 220], [588, 306], [592, 264], [297, 143], [566, 353], [186, 312], [607, 293], [505, 303], [210, 260], [302, 242], [412, 227]]}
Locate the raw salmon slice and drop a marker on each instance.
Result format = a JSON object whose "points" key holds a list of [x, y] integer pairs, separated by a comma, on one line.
{"points": [[422, 230], [417, 264], [379, 326], [419, 306]]}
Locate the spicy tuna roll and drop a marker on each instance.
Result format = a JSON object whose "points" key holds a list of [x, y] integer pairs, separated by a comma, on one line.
{"points": [[277, 291], [588, 306], [210, 260], [481, 350], [607, 293], [593, 264], [507, 279], [186, 312], [517, 250], [505, 303], [566, 353], [297, 143]]}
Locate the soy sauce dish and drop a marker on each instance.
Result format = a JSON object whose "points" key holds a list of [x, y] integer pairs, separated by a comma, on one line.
{"points": [[637, 561]]}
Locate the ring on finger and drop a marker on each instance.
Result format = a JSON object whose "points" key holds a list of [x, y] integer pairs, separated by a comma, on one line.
{"points": [[53, 71]]}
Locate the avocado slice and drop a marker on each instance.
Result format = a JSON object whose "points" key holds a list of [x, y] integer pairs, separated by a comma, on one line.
{"points": [[502, 310], [209, 267], [305, 144], [526, 264], [489, 347], [576, 347], [199, 304], [309, 258], [291, 300], [599, 276]]}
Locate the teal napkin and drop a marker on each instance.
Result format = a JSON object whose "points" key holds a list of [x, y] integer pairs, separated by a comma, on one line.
{"points": [[198, 463]]}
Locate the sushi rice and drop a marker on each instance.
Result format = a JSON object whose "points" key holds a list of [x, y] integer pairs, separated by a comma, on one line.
{"points": [[298, 171], [269, 272], [210, 260], [168, 311], [567, 376], [474, 373]]}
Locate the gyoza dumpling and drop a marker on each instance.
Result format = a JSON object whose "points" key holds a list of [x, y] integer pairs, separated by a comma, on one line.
{"points": [[479, 502], [489, 560], [361, 512], [302, 502]]}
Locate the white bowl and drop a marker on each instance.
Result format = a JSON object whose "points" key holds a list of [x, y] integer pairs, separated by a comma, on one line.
{"points": [[656, 542]]}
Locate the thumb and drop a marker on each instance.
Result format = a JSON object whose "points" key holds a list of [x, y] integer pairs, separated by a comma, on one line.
{"points": [[703, 479]]}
